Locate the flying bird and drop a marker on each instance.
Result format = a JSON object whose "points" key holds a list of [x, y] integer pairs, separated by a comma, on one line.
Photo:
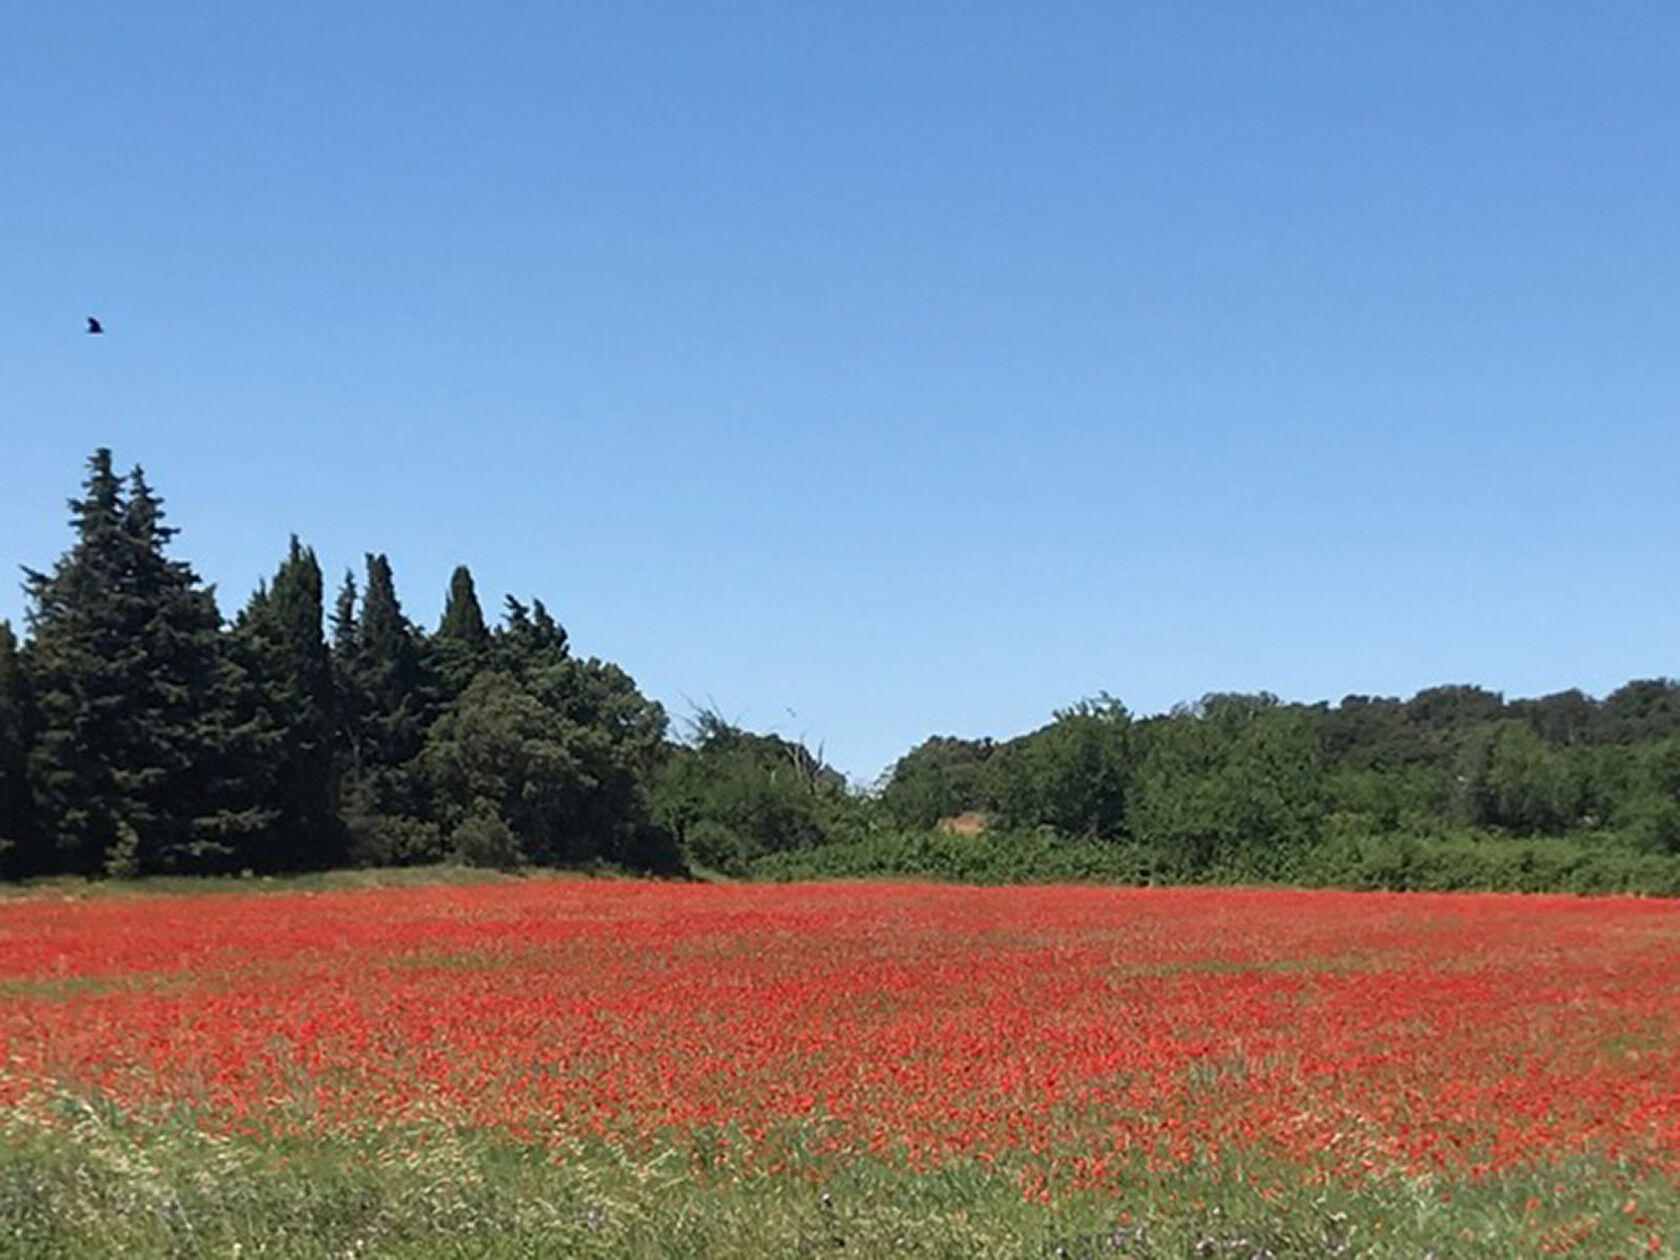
{"points": [[94, 327]]}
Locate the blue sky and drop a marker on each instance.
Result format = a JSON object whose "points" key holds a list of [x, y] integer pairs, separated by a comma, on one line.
{"points": [[872, 371]]}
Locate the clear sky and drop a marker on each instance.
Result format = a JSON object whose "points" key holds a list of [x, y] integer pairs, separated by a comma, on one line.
{"points": [[877, 370]]}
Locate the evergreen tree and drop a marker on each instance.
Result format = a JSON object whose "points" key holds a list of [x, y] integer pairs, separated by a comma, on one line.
{"points": [[389, 704], [462, 641], [546, 759], [529, 641], [387, 669], [125, 656], [344, 620], [340, 651], [221, 814], [463, 619], [282, 654], [75, 657], [17, 813]]}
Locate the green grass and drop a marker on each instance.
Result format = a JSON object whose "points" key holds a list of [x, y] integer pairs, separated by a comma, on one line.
{"points": [[84, 1182], [316, 881]]}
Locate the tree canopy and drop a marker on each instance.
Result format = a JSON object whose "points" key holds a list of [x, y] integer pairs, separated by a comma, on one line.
{"points": [[139, 733]]}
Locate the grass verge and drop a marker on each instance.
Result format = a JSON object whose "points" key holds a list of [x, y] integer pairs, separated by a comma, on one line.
{"points": [[79, 1181]]}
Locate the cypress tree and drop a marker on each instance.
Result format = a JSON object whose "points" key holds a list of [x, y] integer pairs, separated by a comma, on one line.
{"points": [[462, 642], [283, 656], [344, 619], [389, 699], [340, 652], [388, 671], [463, 619]]}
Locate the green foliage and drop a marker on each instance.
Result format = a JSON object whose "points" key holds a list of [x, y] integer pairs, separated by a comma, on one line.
{"points": [[1074, 775], [386, 703], [128, 676], [1563, 719], [17, 806], [555, 750], [483, 838], [344, 627], [287, 708], [1646, 708], [939, 778], [1650, 809], [502, 753], [1509, 778], [122, 859], [462, 642], [992, 857], [1456, 860], [1437, 718], [733, 796], [1238, 779], [1242, 789], [1481, 861], [1403, 798], [463, 619], [139, 736]]}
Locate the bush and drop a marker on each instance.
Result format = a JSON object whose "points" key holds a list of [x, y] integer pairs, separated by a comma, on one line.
{"points": [[1457, 861], [993, 857], [482, 838]]}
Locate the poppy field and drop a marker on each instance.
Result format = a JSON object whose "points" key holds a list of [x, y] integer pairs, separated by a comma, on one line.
{"points": [[912, 1068]]}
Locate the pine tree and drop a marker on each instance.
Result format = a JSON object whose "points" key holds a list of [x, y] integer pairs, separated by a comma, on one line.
{"points": [[208, 814], [17, 813], [125, 658], [79, 655]]}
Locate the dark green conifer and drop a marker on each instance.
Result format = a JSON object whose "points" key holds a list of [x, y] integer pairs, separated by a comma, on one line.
{"points": [[529, 641], [17, 814], [389, 700], [388, 671], [127, 668], [462, 642], [78, 656], [344, 619], [463, 619], [544, 758], [282, 653]]}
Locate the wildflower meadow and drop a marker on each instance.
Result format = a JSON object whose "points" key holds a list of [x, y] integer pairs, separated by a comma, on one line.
{"points": [[571, 1066]]}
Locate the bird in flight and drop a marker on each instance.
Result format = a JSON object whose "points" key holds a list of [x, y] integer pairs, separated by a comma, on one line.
{"points": [[94, 327]]}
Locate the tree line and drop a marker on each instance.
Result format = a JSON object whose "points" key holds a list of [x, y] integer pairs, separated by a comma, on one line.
{"points": [[1246, 786], [142, 732]]}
